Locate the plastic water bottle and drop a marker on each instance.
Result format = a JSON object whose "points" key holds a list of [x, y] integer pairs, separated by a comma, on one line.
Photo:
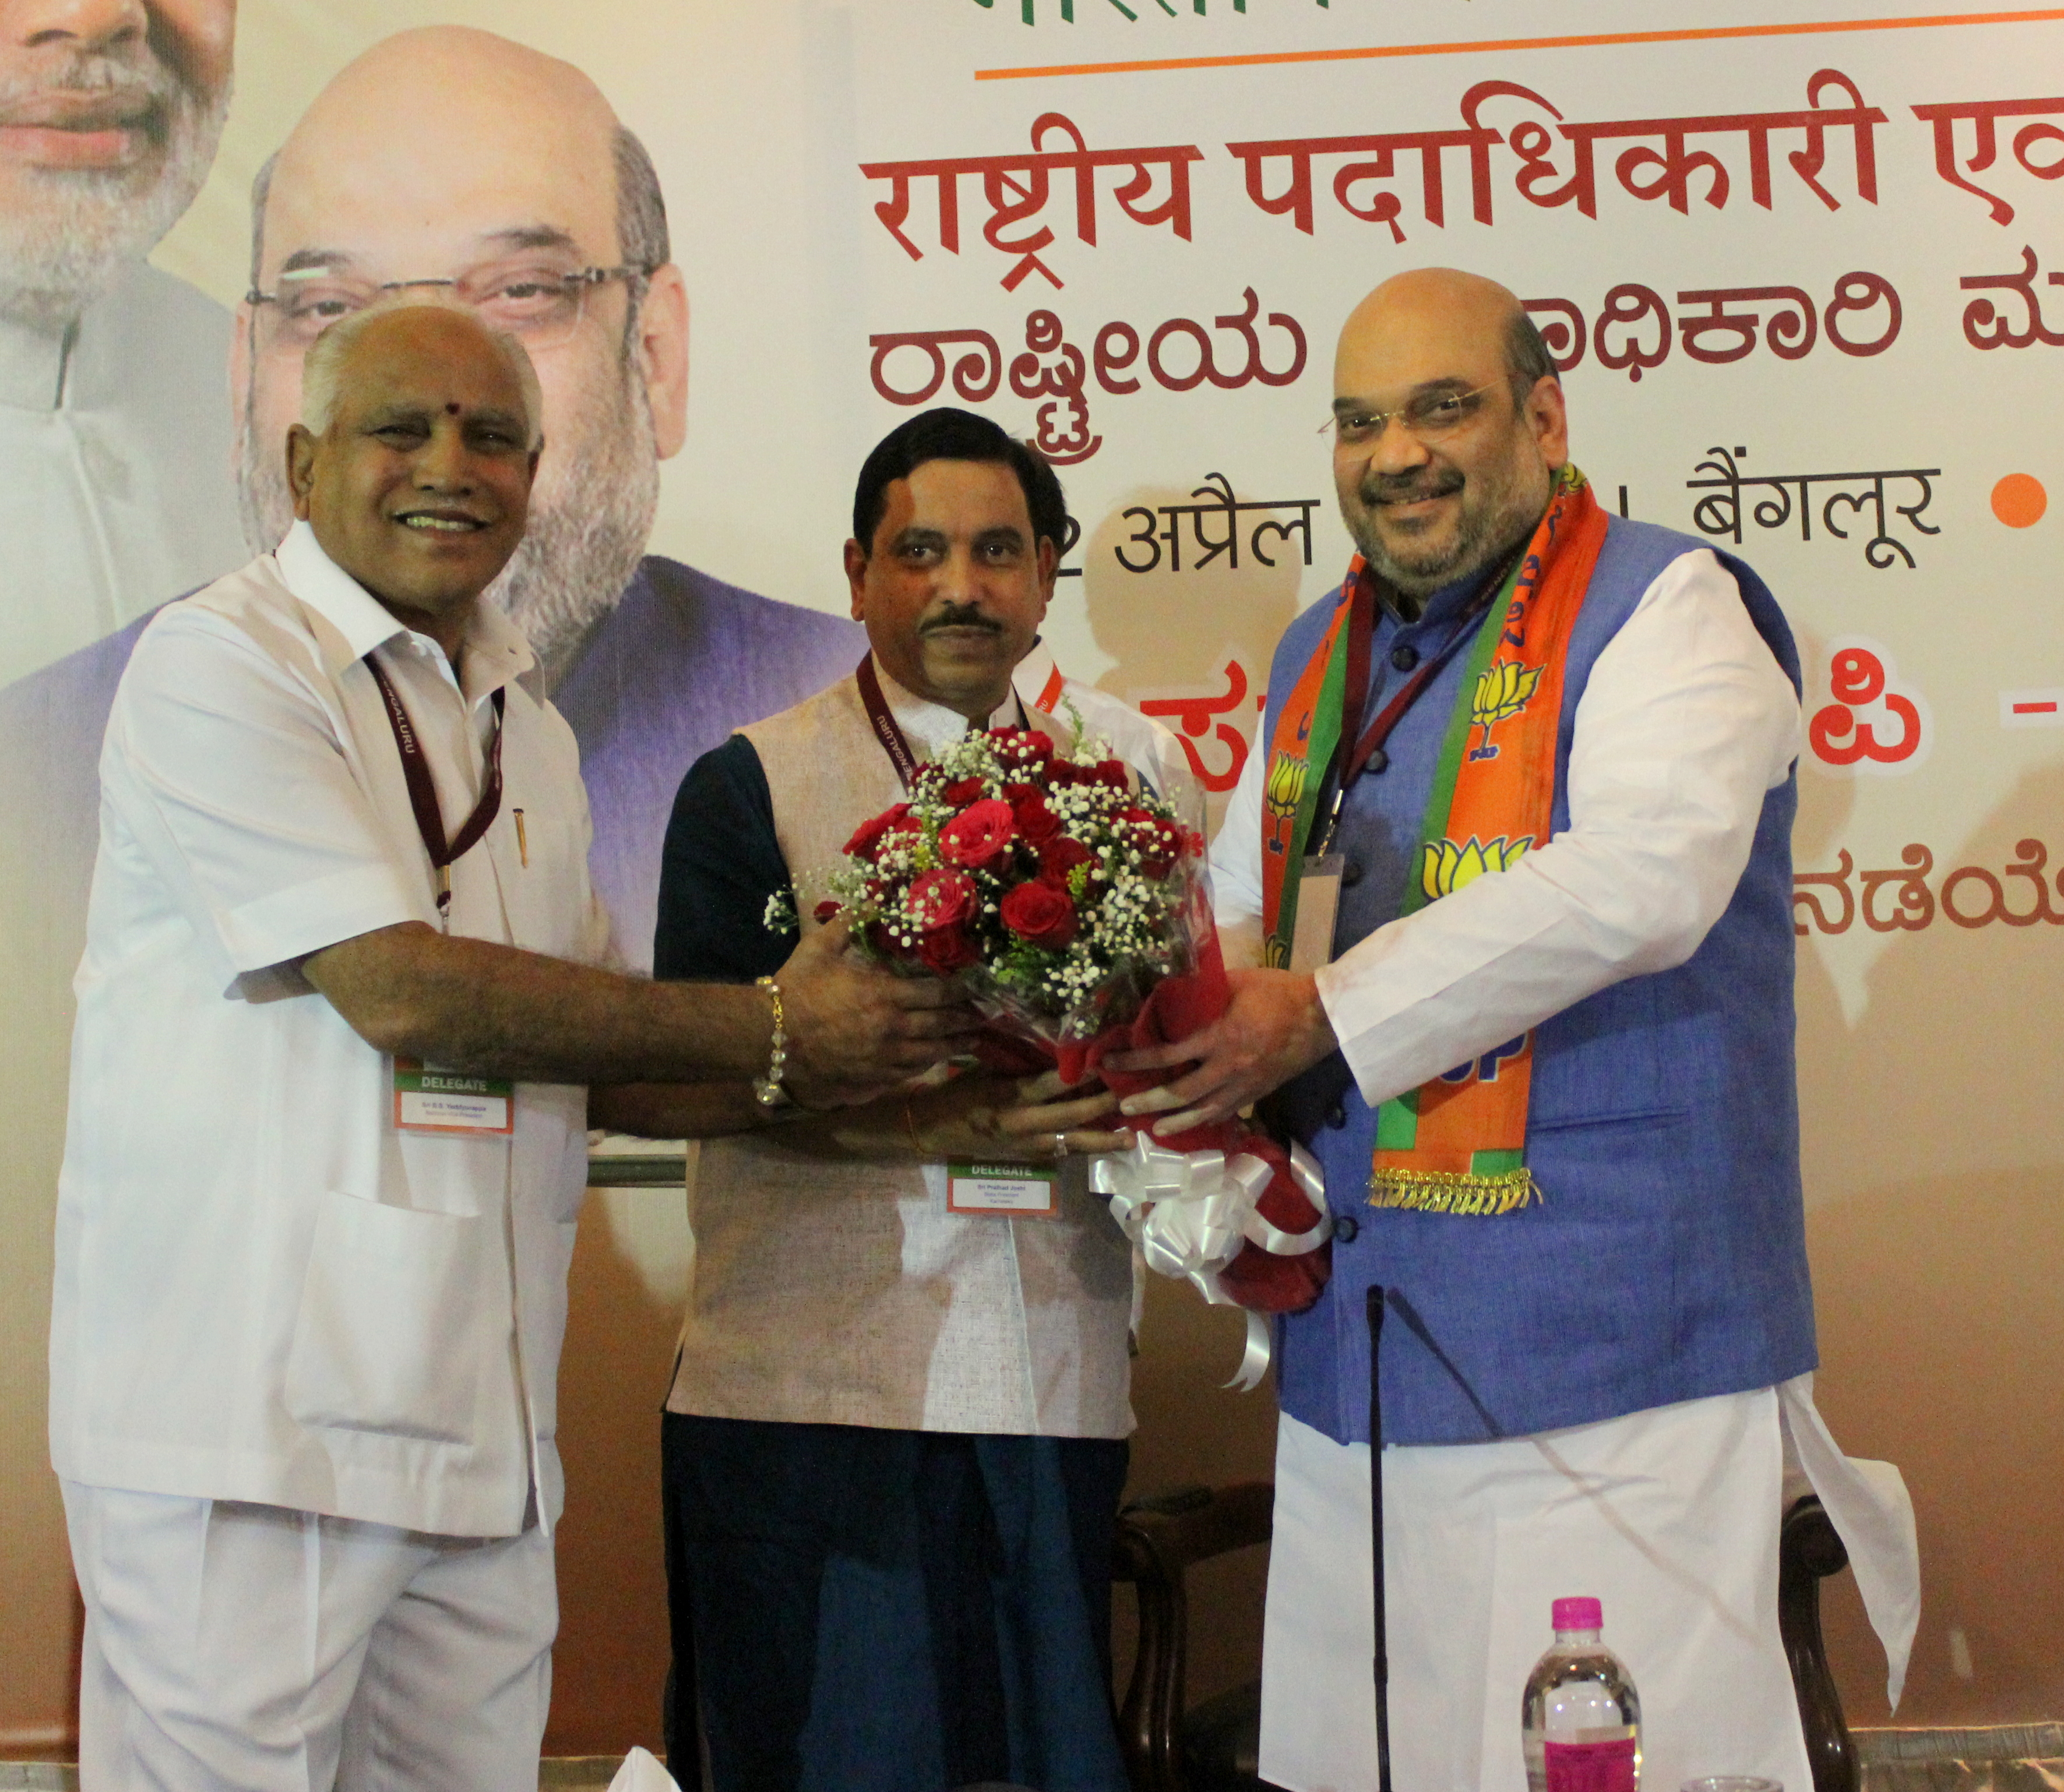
{"points": [[1581, 1723]]}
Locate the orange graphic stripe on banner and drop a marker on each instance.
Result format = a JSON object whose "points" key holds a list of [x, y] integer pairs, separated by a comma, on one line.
{"points": [[1810, 28]]}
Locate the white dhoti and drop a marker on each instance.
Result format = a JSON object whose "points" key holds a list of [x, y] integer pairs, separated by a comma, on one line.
{"points": [[1669, 1516], [246, 1646]]}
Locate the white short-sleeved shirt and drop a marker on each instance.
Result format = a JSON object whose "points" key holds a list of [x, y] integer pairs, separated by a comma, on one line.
{"points": [[263, 1290]]}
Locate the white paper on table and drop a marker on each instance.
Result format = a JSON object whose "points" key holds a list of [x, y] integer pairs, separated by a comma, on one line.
{"points": [[641, 1772]]}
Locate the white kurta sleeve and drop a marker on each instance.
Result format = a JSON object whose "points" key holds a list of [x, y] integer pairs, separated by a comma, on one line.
{"points": [[1236, 863], [1685, 723], [1236, 852]]}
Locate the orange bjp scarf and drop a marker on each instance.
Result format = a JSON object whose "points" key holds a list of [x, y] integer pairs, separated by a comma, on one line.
{"points": [[1458, 1143]]}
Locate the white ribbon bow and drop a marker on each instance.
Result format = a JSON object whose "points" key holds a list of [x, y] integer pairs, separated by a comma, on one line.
{"points": [[1190, 1212]]}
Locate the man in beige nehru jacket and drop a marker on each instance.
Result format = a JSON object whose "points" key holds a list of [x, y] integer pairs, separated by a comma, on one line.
{"points": [[896, 1436], [341, 990]]}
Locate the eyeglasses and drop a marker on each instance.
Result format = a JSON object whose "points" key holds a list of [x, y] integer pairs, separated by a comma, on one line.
{"points": [[1428, 418], [542, 304]]}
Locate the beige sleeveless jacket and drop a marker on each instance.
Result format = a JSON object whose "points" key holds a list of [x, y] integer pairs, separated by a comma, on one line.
{"points": [[844, 1293]]}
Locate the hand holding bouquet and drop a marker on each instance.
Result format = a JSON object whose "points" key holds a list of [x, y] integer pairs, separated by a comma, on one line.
{"points": [[1071, 903]]}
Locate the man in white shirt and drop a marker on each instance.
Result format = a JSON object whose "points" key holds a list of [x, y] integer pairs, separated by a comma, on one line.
{"points": [[114, 470], [1516, 856], [454, 160], [327, 1138]]}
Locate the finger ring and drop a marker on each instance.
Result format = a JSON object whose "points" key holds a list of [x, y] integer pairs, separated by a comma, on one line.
{"points": [[1060, 1146]]}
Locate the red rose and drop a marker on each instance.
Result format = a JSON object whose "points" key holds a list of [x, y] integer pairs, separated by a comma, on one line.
{"points": [[1036, 823], [1160, 842], [1111, 774], [1147, 837], [941, 898], [979, 839], [1027, 745], [1059, 856], [867, 836], [1040, 914], [947, 950], [826, 912], [886, 944], [961, 792]]}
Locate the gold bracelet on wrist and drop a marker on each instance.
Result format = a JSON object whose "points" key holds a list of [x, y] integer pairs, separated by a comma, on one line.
{"points": [[767, 1090]]}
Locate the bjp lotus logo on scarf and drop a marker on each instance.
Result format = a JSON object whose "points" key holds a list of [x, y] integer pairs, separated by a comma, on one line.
{"points": [[1502, 691], [1285, 785], [1447, 867], [1283, 790]]}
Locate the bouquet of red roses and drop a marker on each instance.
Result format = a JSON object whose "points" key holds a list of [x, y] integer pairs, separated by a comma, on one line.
{"points": [[1072, 903]]}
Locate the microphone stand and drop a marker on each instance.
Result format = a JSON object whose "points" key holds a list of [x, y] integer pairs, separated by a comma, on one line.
{"points": [[1380, 1658]]}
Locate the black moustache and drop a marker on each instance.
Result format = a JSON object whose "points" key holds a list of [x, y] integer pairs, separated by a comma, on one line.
{"points": [[962, 619]]}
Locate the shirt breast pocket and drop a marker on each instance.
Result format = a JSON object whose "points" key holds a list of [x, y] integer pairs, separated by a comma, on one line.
{"points": [[543, 878], [388, 1335]]}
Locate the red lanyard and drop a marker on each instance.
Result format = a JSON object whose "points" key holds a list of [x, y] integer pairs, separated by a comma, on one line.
{"points": [[423, 792], [884, 724], [882, 720], [1368, 746]]}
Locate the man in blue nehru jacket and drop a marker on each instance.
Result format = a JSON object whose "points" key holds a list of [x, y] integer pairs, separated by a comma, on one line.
{"points": [[1517, 861]]}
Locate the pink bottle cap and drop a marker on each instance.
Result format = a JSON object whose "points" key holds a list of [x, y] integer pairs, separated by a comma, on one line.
{"points": [[1578, 1614]]}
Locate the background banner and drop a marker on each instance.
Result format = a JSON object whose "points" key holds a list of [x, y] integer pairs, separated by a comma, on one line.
{"points": [[1803, 275]]}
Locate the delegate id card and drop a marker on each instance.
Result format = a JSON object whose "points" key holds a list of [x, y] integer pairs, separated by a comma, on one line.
{"points": [[1318, 905], [429, 1098], [1026, 1191]]}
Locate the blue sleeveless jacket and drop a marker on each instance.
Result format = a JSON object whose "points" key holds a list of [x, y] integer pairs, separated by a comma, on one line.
{"points": [[1667, 1259]]}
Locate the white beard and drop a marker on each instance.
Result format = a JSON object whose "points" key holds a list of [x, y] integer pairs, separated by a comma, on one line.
{"points": [[59, 252]]}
